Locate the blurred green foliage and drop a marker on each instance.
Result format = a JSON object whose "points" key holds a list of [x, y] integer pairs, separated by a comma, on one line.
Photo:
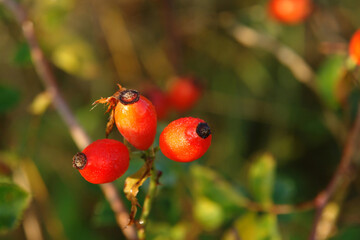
{"points": [[22, 56], [261, 179], [9, 97], [329, 75], [13, 201], [253, 104]]}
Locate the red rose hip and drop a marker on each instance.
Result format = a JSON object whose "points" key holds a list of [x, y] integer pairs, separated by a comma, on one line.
{"points": [[289, 11], [184, 93], [185, 139], [160, 101], [135, 118], [102, 161], [354, 47]]}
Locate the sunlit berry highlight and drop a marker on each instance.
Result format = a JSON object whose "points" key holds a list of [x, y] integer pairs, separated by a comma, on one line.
{"points": [[135, 118], [102, 161], [185, 139]]}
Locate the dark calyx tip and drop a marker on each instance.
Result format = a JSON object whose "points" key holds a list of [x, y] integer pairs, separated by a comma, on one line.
{"points": [[129, 96], [203, 130], [79, 161]]}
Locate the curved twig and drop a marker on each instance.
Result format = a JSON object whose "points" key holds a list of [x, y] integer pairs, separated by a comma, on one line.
{"points": [[342, 170], [77, 132], [304, 74], [288, 57]]}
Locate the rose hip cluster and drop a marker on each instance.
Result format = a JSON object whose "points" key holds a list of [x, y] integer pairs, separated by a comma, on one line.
{"points": [[105, 160]]}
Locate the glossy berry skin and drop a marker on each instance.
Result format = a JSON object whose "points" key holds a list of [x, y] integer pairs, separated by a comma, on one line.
{"points": [[135, 118], [354, 47], [183, 94], [185, 139], [290, 11], [102, 161]]}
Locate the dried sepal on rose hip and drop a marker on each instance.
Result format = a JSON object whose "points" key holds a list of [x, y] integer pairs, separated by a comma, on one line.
{"points": [[102, 161], [185, 139], [134, 116]]}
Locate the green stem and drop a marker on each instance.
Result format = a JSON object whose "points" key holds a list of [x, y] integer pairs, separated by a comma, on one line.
{"points": [[136, 154], [149, 197]]}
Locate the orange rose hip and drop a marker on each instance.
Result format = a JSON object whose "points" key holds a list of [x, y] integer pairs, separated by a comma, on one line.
{"points": [[185, 139], [289, 11], [354, 47], [135, 118]]}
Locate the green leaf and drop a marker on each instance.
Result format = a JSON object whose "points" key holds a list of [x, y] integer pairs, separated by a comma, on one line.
{"points": [[255, 227], [40, 103], [208, 213], [132, 185], [9, 97], [261, 179], [22, 55], [215, 199], [328, 77], [207, 182], [348, 233], [284, 190], [13, 202], [164, 231], [75, 56], [103, 215]]}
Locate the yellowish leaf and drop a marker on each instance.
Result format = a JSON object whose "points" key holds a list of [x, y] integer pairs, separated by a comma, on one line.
{"points": [[208, 213], [132, 184], [40, 103]]}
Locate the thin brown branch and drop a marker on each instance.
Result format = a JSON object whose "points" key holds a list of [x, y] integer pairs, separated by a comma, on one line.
{"points": [[288, 57], [32, 226], [77, 132], [322, 199], [304, 74], [341, 173]]}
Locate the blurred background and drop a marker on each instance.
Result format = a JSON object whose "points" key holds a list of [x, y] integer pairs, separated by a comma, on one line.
{"points": [[270, 144]]}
